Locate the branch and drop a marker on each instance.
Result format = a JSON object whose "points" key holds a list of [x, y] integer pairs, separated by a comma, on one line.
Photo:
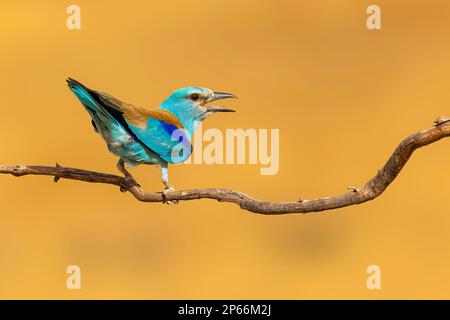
{"points": [[372, 189]]}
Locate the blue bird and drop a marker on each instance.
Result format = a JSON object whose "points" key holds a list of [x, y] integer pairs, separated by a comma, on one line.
{"points": [[149, 136]]}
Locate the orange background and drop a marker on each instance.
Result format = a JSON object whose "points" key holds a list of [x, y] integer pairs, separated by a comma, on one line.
{"points": [[342, 96]]}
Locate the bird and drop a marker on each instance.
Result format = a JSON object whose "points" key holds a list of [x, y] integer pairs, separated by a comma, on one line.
{"points": [[157, 136]]}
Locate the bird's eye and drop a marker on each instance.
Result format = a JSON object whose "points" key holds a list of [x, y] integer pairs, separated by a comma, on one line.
{"points": [[194, 97]]}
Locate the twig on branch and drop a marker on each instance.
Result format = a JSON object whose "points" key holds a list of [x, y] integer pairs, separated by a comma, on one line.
{"points": [[372, 189]]}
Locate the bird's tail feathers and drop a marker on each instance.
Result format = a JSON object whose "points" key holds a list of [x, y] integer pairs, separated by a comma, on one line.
{"points": [[86, 98], [71, 82]]}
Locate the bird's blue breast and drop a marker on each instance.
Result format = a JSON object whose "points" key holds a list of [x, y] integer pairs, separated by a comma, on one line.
{"points": [[169, 128], [169, 142]]}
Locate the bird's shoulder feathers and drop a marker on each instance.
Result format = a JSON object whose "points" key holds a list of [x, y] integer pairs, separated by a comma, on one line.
{"points": [[139, 116]]}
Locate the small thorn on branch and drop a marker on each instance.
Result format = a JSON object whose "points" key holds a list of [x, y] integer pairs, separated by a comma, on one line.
{"points": [[441, 120], [354, 189], [17, 171], [57, 177]]}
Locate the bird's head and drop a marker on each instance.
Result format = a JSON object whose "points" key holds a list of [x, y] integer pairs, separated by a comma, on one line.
{"points": [[189, 105]]}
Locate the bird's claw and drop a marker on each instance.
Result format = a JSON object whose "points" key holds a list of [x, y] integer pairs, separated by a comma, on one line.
{"points": [[165, 193], [128, 182]]}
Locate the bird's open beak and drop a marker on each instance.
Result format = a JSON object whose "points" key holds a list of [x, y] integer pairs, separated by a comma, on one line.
{"points": [[218, 109], [220, 96]]}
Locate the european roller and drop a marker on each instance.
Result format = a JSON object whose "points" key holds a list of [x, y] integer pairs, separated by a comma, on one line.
{"points": [[149, 136]]}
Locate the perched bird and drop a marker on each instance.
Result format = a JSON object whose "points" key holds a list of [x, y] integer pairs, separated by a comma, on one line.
{"points": [[149, 136]]}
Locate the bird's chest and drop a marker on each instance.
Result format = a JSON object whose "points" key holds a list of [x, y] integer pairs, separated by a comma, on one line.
{"points": [[171, 143]]}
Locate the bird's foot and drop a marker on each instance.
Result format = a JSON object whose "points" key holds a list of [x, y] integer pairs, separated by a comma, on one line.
{"points": [[166, 191], [128, 183]]}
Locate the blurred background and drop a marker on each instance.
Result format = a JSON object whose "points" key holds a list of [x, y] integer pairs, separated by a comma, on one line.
{"points": [[341, 95]]}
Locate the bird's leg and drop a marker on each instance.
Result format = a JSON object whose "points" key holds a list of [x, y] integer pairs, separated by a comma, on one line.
{"points": [[165, 179], [129, 180]]}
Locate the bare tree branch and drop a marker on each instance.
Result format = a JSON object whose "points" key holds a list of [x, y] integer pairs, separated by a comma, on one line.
{"points": [[372, 189]]}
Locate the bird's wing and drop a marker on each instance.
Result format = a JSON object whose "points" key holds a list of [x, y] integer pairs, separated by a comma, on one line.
{"points": [[159, 129], [111, 124]]}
